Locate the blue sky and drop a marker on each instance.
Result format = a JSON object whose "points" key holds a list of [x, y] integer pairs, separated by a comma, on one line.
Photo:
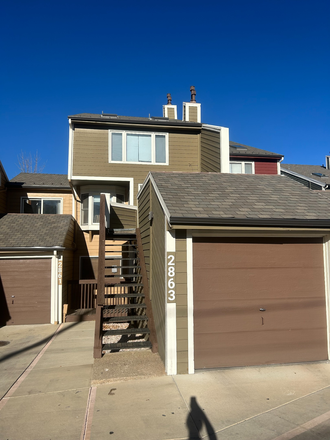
{"points": [[260, 67]]}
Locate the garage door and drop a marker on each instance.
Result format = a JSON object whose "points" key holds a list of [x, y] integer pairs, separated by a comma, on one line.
{"points": [[25, 287], [258, 302]]}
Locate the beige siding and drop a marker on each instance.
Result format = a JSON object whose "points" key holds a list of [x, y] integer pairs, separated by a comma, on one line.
{"points": [[90, 156], [181, 302], [193, 114], [15, 195], [210, 151], [122, 218], [144, 225], [158, 271], [171, 113]]}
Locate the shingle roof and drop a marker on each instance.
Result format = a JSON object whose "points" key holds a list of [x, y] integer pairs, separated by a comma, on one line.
{"points": [[308, 170], [44, 180], [246, 150], [216, 198], [33, 230]]}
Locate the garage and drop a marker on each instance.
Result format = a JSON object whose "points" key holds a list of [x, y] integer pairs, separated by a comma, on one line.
{"points": [[258, 301], [26, 288]]}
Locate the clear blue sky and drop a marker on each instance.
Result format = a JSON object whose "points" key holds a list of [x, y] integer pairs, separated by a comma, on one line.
{"points": [[260, 67]]}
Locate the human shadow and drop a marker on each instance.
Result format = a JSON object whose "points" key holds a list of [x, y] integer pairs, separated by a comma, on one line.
{"points": [[196, 420]]}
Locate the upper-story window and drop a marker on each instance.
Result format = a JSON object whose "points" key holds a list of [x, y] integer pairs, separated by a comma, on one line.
{"points": [[241, 167], [41, 206], [137, 148]]}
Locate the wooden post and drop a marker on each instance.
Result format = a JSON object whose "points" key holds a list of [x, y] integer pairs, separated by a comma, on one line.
{"points": [[98, 333], [151, 322], [101, 268]]}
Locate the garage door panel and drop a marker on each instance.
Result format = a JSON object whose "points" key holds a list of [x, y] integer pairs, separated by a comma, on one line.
{"points": [[223, 316], [233, 280], [272, 282], [27, 288], [260, 348]]}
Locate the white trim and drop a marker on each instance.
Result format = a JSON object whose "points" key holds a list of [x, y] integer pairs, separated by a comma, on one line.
{"points": [[170, 241], [42, 202], [185, 111], [170, 345], [279, 166], [190, 303], [243, 163], [160, 198], [53, 290], [70, 159], [60, 293], [326, 262], [165, 110], [153, 147], [123, 205], [130, 181], [224, 150]]}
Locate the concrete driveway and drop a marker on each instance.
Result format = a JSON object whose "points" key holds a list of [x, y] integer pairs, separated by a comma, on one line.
{"points": [[49, 395]]}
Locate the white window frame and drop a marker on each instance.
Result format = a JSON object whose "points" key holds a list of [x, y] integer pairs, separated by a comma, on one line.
{"points": [[153, 147], [42, 199], [91, 226], [235, 162]]}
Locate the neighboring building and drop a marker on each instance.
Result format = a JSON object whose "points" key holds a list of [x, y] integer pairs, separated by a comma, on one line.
{"points": [[242, 262], [3, 189], [36, 262], [312, 176]]}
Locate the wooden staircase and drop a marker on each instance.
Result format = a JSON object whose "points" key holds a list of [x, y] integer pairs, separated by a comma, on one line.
{"points": [[123, 315]]}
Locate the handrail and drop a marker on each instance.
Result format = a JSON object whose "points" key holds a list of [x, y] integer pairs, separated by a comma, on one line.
{"points": [[101, 266], [151, 323]]}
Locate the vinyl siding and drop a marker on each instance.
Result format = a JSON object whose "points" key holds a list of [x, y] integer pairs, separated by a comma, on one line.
{"points": [[210, 151], [265, 167], [144, 225], [15, 195], [158, 271], [171, 113], [90, 156], [181, 302], [67, 274], [3, 193], [122, 218], [193, 114]]}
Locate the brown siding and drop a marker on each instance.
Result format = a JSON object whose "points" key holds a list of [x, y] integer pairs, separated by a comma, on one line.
{"points": [[210, 151], [181, 301], [122, 218], [25, 290], [14, 199], [90, 156], [193, 114], [265, 167], [233, 279], [144, 225], [158, 271]]}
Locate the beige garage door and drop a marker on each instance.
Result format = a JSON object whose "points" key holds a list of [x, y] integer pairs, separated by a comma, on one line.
{"points": [[25, 288], [258, 301]]}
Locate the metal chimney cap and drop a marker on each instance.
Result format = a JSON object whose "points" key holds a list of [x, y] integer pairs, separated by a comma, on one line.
{"points": [[169, 99], [193, 94]]}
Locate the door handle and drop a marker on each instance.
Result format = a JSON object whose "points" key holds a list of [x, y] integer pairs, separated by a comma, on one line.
{"points": [[262, 310]]}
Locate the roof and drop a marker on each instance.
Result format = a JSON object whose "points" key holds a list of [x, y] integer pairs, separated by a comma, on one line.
{"points": [[34, 230], [236, 149], [28, 180], [241, 199], [308, 170], [153, 120]]}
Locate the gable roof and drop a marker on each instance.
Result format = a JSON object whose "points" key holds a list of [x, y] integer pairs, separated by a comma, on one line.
{"points": [[236, 149], [307, 172], [239, 199], [30, 180], [35, 231]]}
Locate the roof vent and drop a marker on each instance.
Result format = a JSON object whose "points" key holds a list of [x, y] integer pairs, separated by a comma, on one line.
{"points": [[109, 115], [239, 147]]}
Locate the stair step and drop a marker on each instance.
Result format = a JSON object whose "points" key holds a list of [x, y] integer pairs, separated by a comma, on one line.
{"points": [[126, 318], [124, 295], [125, 284], [123, 267], [127, 306], [120, 345], [127, 331]]}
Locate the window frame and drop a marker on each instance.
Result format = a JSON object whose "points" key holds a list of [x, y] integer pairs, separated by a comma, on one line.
{"points": [[42, 199], [243, 163], [124, 134]]}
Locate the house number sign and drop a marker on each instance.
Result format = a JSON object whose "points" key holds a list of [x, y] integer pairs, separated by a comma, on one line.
{"points": [[170, 277], [59, 273]]}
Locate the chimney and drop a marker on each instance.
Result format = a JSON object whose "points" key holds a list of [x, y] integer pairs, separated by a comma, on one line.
{"points": [[192, 110], [170, 111], [327, 162]]}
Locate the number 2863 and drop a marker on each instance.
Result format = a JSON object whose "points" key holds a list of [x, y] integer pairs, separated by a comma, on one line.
{"points": [[170, 277]]}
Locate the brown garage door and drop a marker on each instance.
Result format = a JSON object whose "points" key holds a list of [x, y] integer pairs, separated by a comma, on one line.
{"points": [[25, 287], [258, 302]]}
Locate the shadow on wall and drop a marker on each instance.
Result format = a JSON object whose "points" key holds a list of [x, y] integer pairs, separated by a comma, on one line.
{"points": [[196, 420], [4, 311]]}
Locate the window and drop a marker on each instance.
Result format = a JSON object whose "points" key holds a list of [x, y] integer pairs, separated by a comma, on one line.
{"points": [[90, 209], [41, 206], [241, 167], [131, 147]]}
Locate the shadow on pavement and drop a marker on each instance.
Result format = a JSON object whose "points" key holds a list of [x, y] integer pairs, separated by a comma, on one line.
{"points": [[195, 421]]}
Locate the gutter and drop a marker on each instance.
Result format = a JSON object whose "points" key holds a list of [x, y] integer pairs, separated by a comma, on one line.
{"points": [[114, 121], [36, 248]]}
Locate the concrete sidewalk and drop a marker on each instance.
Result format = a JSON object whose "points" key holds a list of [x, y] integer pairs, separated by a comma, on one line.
{"points": [[55, 398]]}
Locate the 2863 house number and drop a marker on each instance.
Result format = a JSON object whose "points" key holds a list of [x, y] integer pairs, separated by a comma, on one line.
{"points": [[170, 278]]}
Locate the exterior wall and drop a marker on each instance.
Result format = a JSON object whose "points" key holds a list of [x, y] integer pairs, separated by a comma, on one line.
{"points": [[171, 113], [91, 154], [15, 195], [144, 225], [181, 302], [122, 218], [193, 114], [210, 151], [3, 192], [265, 167], [67, 275], [157, 278]]}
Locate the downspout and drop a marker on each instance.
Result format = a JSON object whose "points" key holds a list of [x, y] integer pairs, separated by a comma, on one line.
{"points": [[279, 166]]}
